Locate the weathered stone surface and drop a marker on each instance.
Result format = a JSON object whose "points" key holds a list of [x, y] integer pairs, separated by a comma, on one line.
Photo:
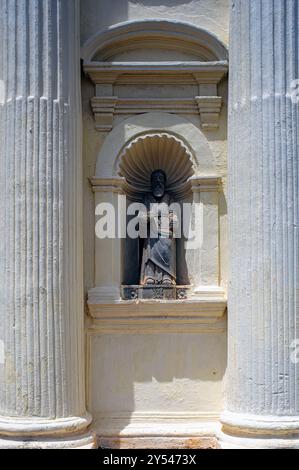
{"points": [[208, 442], [41, 312], [263, 380], [164, 358]]}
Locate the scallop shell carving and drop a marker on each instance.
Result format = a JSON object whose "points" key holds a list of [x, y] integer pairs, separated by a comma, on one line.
{"points": [[156, 151]]}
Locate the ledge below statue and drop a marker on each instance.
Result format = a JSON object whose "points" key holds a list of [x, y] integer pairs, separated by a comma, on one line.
{"points": [[203, 312]]}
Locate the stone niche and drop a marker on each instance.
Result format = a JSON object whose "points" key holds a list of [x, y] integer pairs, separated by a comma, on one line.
{"points": [[156, 99], [141, 144]]}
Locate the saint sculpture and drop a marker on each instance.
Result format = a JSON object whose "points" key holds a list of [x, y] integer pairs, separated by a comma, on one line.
{"points": [[159, 247]]}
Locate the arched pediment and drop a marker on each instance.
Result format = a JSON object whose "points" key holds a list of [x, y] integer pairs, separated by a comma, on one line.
{"points": [[178, 41], [127, 57]]}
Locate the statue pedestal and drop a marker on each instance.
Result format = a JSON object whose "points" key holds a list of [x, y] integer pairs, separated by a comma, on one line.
{"points": [[155, 292]]}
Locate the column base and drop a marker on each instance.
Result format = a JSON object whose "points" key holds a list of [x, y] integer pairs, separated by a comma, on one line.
{"points": [[35, 433], [87, 441], [259, 432], [227, 441]]}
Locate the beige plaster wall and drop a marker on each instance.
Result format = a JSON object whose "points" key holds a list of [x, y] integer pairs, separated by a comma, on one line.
{"points": [[149, 377]]}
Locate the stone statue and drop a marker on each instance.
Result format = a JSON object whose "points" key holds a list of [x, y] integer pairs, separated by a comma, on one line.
{"points": [[159, 251]]}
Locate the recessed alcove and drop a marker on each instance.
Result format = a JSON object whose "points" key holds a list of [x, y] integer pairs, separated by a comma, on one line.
{"points": [[135, 148], [157, 104], [135, 164]]}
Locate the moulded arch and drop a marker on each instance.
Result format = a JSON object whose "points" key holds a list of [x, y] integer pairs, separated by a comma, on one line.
{"points": [[121, 137], [122, 37]]}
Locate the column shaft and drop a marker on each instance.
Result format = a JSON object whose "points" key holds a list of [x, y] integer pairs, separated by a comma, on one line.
{"points": [[263, 378], [41, 287]]}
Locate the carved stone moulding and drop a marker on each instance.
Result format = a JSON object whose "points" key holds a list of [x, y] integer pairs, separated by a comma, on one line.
{"points": [[155, 35], [156, 292], [62, 433], [155, 73], [205, 76], [204, 313], [155, 53], [156, 150], [209, 109], [156, 430], [105, 108]]}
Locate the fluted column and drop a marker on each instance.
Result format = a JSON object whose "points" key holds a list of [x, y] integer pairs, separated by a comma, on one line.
{"points": [[263, 377], [42, 401]]}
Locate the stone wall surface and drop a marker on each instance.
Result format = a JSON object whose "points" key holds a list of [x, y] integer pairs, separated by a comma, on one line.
{"points": [[263, 380], [158, 382], [41, 316], [148, 368], [212, 15]]}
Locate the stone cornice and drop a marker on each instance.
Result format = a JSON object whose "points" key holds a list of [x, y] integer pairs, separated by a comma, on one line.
{"points": [[205, 183], [205, 312], [156, 72], [102, 185], [204, 75]]}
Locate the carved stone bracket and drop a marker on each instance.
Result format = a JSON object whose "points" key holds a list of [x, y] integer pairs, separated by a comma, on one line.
{"points": [[209, 109], [205, 76], [105, 108]]}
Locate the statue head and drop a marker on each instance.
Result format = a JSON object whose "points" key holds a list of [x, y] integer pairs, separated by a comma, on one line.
{"points": [[158, 183]]}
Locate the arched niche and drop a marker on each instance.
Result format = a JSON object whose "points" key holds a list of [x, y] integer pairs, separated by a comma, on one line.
{"points": [[136, 162], [135, 148]]}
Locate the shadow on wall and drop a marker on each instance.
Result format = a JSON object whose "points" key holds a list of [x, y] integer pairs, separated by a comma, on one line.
{"points": [[110, 12], [169, 372], [113, 12]]}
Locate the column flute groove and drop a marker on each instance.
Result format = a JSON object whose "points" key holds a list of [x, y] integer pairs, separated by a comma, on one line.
{"points": [[42, 399], [262, 378]]}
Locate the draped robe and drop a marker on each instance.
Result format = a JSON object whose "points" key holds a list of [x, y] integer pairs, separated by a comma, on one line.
{"points": [[159, 253]]}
